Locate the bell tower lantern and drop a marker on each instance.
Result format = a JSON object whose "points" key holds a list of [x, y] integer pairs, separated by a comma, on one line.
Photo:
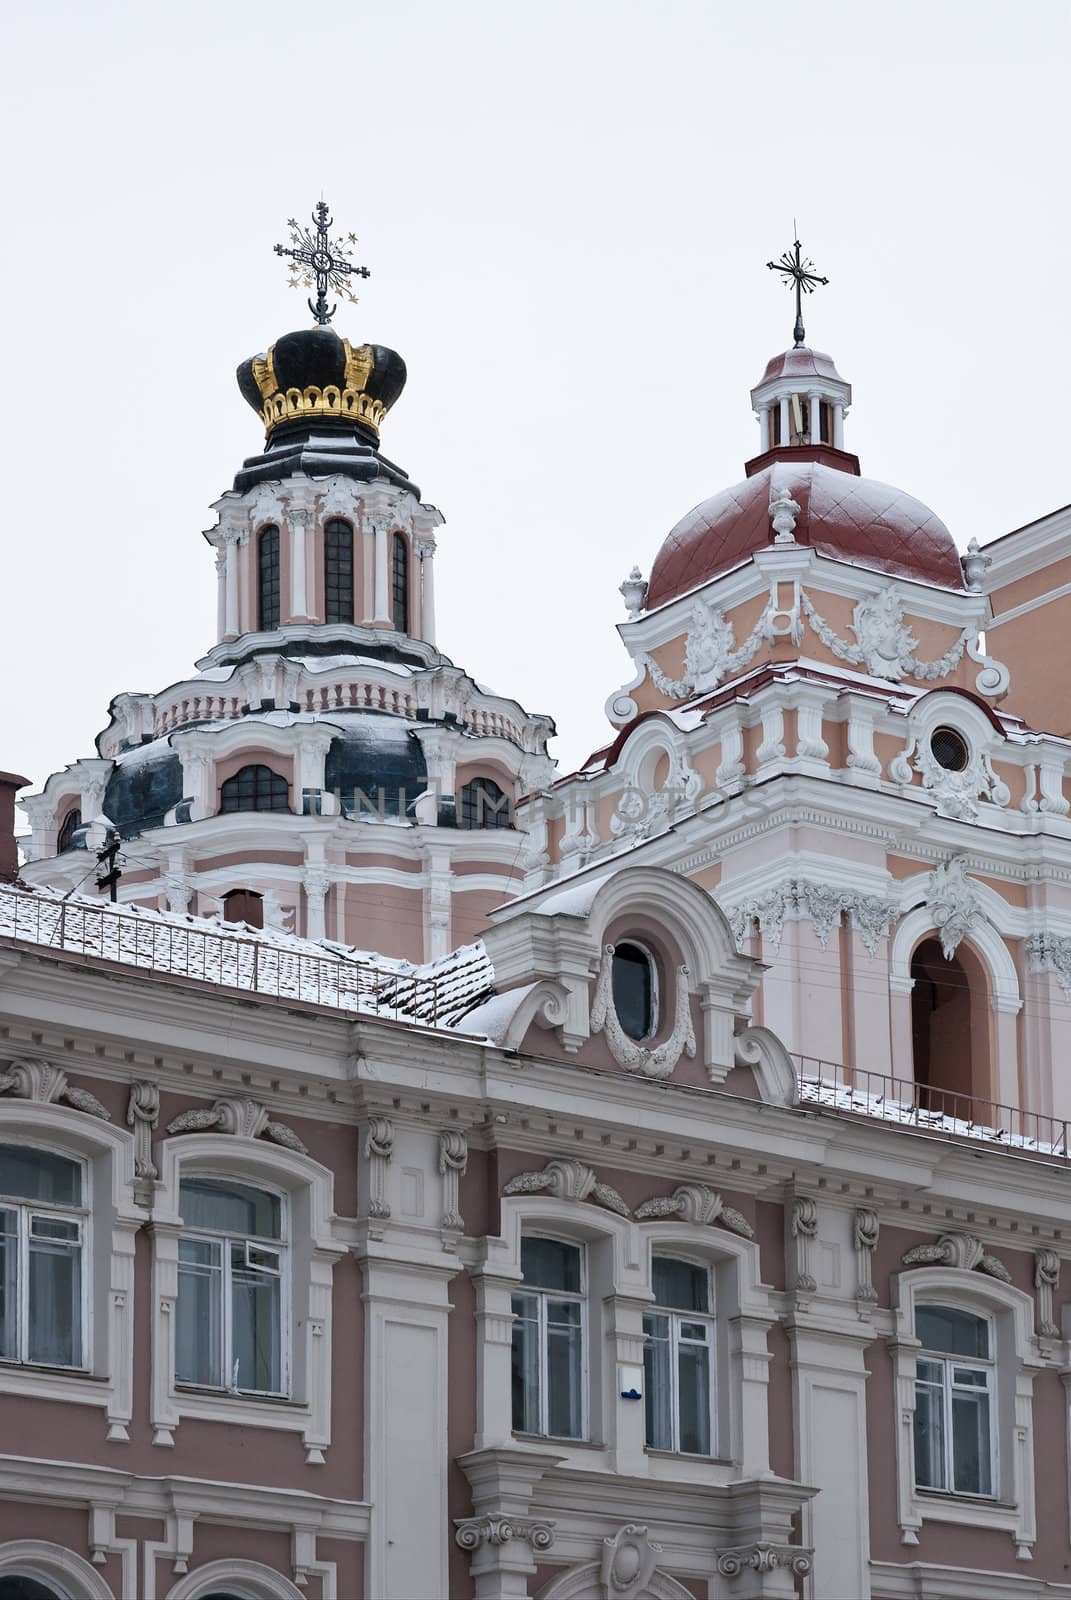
{"points": [[802, 399]]}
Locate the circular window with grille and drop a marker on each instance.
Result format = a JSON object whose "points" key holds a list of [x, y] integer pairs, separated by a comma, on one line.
{"points": [[949, 749]]}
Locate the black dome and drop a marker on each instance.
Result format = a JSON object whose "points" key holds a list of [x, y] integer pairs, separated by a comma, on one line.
{"points": [[317, 357]]}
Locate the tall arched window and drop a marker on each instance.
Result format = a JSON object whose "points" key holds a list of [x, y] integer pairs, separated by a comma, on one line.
{"points": [[71, 824], [400, 583], [949, 1027], [268, 579], [338, 571], [255, 788], [482, 804]]}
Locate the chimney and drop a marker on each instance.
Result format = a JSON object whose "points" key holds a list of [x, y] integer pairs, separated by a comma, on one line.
{"points": [[10, 784]]}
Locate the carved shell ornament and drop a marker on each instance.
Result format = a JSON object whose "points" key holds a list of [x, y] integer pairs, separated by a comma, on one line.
{"points": [[247, 1119], [957, 1250], [658, 1062], [568, 1179]]}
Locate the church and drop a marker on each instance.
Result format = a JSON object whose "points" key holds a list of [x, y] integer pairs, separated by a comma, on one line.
{"points": [[429, 1175]]}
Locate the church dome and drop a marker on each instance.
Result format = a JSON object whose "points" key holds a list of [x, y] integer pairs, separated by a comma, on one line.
{"points": [[841, 515]]}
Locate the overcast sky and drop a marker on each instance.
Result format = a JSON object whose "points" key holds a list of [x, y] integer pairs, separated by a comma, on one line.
{"points": [[566, 208]]}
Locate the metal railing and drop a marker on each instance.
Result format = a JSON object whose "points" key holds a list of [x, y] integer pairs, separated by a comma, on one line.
{"points": [[924, 1108], [235, 961]]}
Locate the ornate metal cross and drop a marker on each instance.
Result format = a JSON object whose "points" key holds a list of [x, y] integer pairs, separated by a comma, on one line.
{"points": [[319, 261], [795, 268]]}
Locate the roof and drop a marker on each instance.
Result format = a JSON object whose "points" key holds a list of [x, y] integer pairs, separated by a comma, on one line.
{"points": [[841, 515], [266, 961], [800, 362]]}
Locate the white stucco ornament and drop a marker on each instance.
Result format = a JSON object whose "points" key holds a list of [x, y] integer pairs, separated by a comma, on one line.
{"points": [[783, 513], [628, 1562], [659, 1061], [885, 645], [710, 653], [568, 1179], [954, 904], [634, 592]]}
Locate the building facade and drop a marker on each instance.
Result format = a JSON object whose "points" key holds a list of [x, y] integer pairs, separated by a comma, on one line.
{"points": [[437, 1177]]}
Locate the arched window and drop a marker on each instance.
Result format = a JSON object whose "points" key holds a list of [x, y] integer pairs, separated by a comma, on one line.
{"points": [[548, 1340], [71, 824], [949, 1027], [954, 1401], [42, 1273], [678, 1359], [400, 583], [244, 905], [338, 571], [13, 1587], [483, 805], [634, 990], [255, 788], [229, 1326], [268, 579]]}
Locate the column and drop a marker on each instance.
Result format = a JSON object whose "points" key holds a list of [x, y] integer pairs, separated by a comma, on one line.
{"points": [[764, 428], [838, 425], [786, 427], [221, 590], [231, 585], [299, 602], [381, 612], [407, 1454], [426, 551], [815, 407]]}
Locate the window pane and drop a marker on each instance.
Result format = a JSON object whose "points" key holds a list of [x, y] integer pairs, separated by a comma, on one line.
{"points": [[564, 1369], [27, 1174], [400, 583], [956, 1332], [633, 990], [338, 571], [680, 1285], [198, 1337], [55, 1293], [970, 1443], [9, 1305], [658, 1383], [268, 578], [525, 1367], [256, 1331], [227, 1207], [929, 1435], [549, 1264], [693, 1391]]}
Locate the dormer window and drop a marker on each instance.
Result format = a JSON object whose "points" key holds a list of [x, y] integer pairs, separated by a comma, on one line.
{"points": [[634, 990]]}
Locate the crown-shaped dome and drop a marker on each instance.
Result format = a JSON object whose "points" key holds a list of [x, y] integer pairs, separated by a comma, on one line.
{"points": [[314, 375]]}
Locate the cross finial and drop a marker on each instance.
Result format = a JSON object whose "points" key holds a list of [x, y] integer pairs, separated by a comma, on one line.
{"points": [[796, 268], [320, 262]]}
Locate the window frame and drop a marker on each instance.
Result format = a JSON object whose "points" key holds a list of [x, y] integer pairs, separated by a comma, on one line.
{"points": [[316, 1242], [334, 588], [269, 578], [469, 798], [1011, 1507], [257, 784], [948, 1364], [542, 1296], [25, 1212], [225, 1240], [70, 825], [399, 583], [656, 993], [709, 1319]]}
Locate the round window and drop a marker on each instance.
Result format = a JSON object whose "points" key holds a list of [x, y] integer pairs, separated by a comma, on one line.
{"points": [[633, 984], [949, 749]]}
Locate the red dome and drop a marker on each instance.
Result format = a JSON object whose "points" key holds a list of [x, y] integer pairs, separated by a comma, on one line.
{"points": [[847, 517]]}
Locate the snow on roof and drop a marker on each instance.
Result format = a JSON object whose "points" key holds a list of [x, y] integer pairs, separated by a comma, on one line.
{"points": [[264, 961]]}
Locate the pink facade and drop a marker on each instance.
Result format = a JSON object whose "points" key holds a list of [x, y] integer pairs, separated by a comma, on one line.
{"points": [[441, 1177]]}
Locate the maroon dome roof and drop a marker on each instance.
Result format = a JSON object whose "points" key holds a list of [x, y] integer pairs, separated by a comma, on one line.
{"points": [[841, 515], [801, 362]]}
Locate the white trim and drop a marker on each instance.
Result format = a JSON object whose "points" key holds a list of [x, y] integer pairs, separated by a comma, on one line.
{"points": [[245, 1580], [1028, 605], [585, 1582], [925, 1580], [1011, 1312], [67, 1574], [107, 1377], [309, 1188]]}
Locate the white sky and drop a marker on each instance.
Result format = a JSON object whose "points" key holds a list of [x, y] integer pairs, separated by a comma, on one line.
{"points": [[567, 209]]}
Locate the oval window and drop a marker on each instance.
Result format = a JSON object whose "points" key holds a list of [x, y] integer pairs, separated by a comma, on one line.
{"points": [[633, 985], [949, 749]]}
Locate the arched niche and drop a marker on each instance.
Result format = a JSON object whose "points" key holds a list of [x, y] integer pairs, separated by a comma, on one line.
{"points": [[585, 1583]]}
